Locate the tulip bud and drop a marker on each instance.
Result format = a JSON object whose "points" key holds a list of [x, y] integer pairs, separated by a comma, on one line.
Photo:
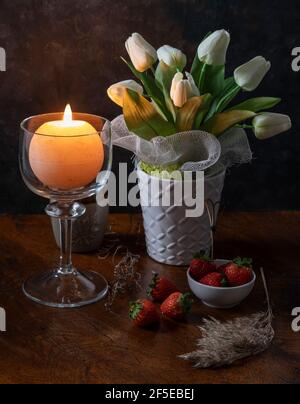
{"points": [[213, 49], [250, 75], [269, 124], [116, 91], [142, 54], [172, 57], [176, 81], [182, 90]]}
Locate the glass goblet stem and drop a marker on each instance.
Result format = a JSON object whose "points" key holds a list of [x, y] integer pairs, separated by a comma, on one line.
{"points": [[66, 266], [66, 213]]}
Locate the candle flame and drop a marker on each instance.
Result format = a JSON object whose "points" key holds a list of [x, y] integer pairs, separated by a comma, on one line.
{"points": [[68, 115]]}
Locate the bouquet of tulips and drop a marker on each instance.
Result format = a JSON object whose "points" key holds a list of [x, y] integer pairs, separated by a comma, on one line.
{"points": [[171, 100]]}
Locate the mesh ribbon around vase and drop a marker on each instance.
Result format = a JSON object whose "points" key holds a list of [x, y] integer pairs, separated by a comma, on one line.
{"points": [[195, 150], [235, 150]]}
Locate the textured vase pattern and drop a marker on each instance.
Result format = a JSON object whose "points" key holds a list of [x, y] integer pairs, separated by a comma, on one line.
{"points": [[171, 237]]}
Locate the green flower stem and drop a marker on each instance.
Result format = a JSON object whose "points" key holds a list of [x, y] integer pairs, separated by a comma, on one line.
{"points": [[202, 78], [227, 99], [245, 126]]}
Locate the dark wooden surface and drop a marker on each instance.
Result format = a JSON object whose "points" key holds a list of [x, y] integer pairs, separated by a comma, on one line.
{"points": [[90, 345]]}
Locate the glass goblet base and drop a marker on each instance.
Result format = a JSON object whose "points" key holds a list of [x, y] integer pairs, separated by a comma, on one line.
{"points": [[66, 290]]}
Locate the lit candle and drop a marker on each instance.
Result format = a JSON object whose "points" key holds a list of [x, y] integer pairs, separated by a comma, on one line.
{"points": [[66, 154]]}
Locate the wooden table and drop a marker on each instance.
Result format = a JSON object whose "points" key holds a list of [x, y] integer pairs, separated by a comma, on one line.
{"points": [[91, 345]]}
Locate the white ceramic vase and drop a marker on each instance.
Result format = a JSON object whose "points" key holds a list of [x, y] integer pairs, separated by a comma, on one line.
{"points": [[171, 237]]}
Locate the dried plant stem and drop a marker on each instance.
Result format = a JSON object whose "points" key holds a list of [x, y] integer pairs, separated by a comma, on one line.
{"points": [[126, 275], [110, 242], [222, 344]]}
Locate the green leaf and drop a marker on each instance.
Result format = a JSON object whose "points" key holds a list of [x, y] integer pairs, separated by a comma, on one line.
{"points": [[202, 78], [229, 82], [142, 118], [152, 90], [225, 120], [203, 110], [164, 76], [257, 104], [230, 91], [187, 114], [226, 100], [212, 79], [197, 69]]}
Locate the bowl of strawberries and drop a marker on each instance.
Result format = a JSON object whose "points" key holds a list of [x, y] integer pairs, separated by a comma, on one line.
{"points": [[221, 284]]}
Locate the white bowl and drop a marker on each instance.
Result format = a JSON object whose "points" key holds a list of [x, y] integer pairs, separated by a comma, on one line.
{"points": [[221, 298]]}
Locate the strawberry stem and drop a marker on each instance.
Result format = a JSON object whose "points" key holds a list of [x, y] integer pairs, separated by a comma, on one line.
{"points": [[134, 309], [202, 255], [153, 284], [186, 302], [243, 262], [224, 282]]}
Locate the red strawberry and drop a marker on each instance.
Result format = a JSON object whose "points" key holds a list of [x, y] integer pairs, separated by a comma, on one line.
{"points": [[215, 279], [222, 268], [177, 305], [201, 266], [160, 288], [239, 272], [143, 313]]}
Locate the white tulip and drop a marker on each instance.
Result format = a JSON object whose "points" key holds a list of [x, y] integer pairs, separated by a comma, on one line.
{"points": [[182, 90], [172, 57], [141, 53], [193, 90], [116, 91], [269, 124], [213, 49], [250, 75]]}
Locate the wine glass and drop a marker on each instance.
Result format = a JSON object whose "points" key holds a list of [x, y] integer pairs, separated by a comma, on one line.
{"points": [[65, 158]]}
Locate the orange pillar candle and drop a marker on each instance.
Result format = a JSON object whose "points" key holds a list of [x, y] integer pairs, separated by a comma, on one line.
{"points": [[66, 154]]}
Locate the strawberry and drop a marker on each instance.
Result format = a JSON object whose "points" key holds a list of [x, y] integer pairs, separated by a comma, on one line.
{"points": [[222, 268], [215, 279], [143, 313], [239, 272], [177, 305], [160, 288], [201, 266]]}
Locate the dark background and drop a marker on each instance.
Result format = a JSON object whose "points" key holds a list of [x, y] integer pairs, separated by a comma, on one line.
{"points": [[61, 51]]}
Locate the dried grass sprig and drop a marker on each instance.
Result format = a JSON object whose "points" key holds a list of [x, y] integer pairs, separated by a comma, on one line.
{"points": [[111, 241], [222, 344], [126, 275]]}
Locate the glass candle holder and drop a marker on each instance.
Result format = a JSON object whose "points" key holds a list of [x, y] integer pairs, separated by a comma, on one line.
{"points": [[65, 158]]}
